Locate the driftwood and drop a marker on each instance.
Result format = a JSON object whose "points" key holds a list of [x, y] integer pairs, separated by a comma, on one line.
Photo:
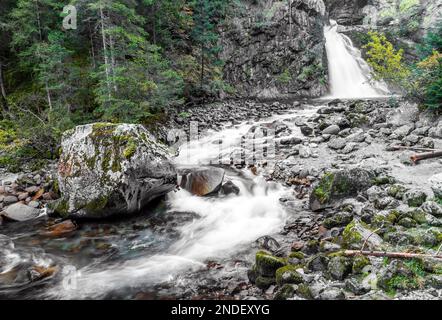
{"points": [[397, 255], [423, 156]]}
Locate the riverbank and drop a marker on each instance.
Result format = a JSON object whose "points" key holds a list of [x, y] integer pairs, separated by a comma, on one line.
{"points": [[338, 136]]}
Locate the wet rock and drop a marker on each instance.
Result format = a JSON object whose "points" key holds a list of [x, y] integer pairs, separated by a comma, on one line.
{"points": [[204, 181], [61, 229], [435, 281], [21, 212], [268, 243], [415, 198], [290, 141], [39, 272], [297, 246], [34, 204], [334, 186], [332, 130], [339, 267], [230, 188], [111, 169]]}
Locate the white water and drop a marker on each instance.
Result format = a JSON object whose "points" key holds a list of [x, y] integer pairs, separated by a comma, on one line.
{"points": [[348, 72], [225, 224]]}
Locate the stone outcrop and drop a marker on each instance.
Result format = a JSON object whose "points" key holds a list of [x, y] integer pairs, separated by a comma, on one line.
{"points": [[111, 169], [276, 49]]}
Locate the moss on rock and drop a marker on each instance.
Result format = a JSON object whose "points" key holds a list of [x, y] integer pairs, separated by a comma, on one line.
{"points": [[266, 264], [288, 275]]}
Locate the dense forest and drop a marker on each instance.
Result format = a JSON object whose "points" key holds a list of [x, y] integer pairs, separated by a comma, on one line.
{"points": [[125, 62], [130, 60]]}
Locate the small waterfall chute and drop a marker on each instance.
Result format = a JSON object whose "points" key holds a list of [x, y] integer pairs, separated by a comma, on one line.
{"points": [[349, 73]]}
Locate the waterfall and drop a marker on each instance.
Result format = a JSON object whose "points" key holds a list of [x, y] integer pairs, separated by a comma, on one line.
{"points": [[349, 74]]}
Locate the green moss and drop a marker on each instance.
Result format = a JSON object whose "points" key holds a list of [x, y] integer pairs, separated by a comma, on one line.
{"points": [[304, 291], [130, 150], [323, 190], [60, 207], [359, 263], [96, 205], [288, 275], [267, 264], [264, 282], [350, 235], [296, 255], [286, 292], [380, 181]]}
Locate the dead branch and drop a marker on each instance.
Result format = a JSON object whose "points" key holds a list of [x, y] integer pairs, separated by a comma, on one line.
{"points": [[423, 156], [397, 255]]}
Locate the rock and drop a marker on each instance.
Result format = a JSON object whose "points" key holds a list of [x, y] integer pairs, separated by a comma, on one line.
{"points": [[432, 208], [337, 144], [290, 141], [10, 200], [34, 204], [297, 246], [334, 186], [111, 169], [435, 281], [355, 286], [415, 198], [436, 185], [230, 188], [403, 131], [332, 294], [266, 264], [318, 262], [427, 143], [288, 275], [204, 181], [339, 219], [61, 229], [339, 268], [307, 130], [23, 196], [21, 212], [355, 234], [287, 291], [268, 243], [332, 130]]}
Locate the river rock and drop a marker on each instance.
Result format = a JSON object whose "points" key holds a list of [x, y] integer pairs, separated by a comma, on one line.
{"points": [[10, 200], [436, 185], [111, 169], [203, 181], [21, 212], [334, 186], [337, 144], [230, 188], [333, 130]]}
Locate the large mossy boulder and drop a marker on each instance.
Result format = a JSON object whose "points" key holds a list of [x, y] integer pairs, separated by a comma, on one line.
{"points": [[111, 169], [335, 186]]}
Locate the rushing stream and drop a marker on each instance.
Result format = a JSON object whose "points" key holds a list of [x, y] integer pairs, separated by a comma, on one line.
{"points": [[181, 235]]}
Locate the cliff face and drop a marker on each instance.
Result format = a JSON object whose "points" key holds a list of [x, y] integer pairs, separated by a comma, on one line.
{"points": [[276, 48]]}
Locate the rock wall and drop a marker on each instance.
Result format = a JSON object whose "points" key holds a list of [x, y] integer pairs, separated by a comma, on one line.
{"points": [[276, 49]]}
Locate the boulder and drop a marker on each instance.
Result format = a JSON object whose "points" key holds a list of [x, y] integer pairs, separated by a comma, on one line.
{"points": [[333, 129], [335, 186], [203, 181], [230, 188], [111, 169], [21, 212]]}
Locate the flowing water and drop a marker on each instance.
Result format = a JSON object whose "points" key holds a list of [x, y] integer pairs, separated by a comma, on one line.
{"points": [[349, 74], [163, 245]]}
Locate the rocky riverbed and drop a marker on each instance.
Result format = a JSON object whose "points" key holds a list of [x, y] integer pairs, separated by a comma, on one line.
{"points": [[344, 187]]}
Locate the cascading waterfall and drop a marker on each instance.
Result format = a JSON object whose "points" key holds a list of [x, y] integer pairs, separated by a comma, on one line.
{"points": [[349, 74]]}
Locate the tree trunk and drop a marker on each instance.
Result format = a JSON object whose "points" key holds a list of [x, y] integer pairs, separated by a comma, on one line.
{"points": [[3, 100], [202, 67], [113, 63], [105, 54], [92, 46], [423, 156], [40, 33]]}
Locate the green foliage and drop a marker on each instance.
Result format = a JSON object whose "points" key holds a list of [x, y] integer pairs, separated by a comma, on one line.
{"points": [[385, 61]]}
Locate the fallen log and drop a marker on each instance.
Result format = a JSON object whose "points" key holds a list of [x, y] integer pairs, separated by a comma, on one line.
{"points": [[398, 148], [423, 156], [396, 255]]}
